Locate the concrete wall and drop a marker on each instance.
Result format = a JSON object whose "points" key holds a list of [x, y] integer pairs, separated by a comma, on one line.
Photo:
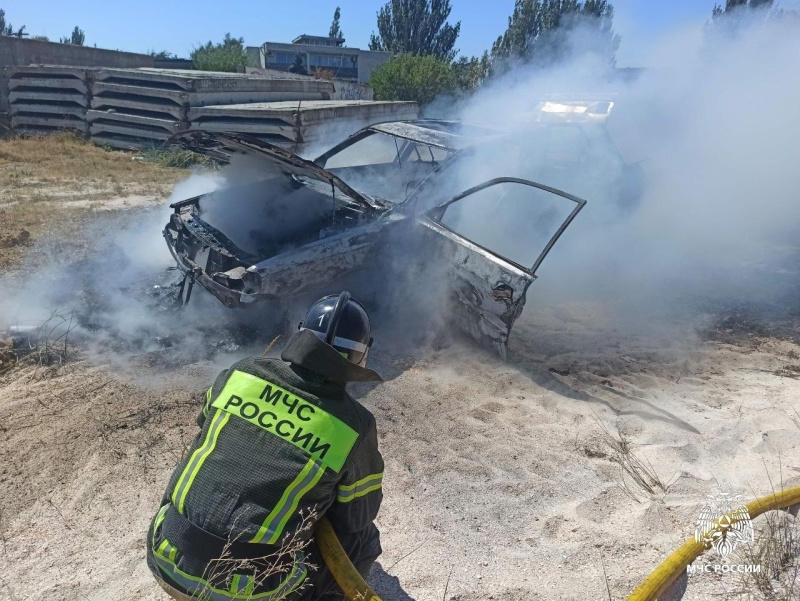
{"points": [[344, 89], [351, 90], [184, 64], [254, 57], [369, 61], [16, 51]]}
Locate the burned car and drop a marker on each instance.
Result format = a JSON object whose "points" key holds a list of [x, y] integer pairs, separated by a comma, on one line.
{"points": [[301, 224]]}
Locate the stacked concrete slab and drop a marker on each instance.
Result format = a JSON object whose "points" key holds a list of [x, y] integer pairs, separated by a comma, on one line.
{"points": [[45, 99], [139, 108], [3, 92], [299, 125]]}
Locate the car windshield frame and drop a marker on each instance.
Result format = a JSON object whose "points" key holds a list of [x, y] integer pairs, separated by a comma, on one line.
{"points": [[405, 147]]}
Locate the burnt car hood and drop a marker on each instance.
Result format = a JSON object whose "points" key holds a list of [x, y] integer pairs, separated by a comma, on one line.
{"points": [[223, 147]]}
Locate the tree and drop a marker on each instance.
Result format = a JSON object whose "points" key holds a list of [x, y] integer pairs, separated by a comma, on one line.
{"points": [[162, 55], [737, 15], [299, 65], [412, 77], [8, 29], [336, 31], [228, 56], [470, 73], [547, 31], [77, 38], [416, 27], [734, 6]]}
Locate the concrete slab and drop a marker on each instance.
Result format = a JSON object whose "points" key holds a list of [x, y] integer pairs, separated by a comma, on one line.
{"points": [[46, 71], [47, 109], [132, 132], [287, 133], [123, 142], [278, 141], [169, 125], [242, 126], [310, 112], [210, 98], [54, 84], [3, 92], [283, 124], [26, 122], [197, 81], [202, 98], [105, 88], [73, 97], [164, 109]]}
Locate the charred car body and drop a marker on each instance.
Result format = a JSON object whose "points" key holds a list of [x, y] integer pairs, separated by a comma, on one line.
{"points": [[304, 223]]}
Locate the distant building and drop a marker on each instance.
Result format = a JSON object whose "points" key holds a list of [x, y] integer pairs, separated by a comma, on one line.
{"points": [[320, 52]]}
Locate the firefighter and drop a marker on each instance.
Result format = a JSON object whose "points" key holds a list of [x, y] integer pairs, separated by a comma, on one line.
{"points": [[281, 444]]}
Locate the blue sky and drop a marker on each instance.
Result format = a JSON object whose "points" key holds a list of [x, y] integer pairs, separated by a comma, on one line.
{"points": [[180, 26]]}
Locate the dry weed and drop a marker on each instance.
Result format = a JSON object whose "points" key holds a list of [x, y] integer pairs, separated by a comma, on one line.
{"points": [[182, 159], [777, 550], [46, 345], [638, 471], [220, 571]]}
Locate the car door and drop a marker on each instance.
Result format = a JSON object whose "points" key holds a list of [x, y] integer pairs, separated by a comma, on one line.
{"points": [[490, 241]]}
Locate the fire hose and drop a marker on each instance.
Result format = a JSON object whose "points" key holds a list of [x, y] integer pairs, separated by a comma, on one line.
{"points": [[675, 564], [343, 571], [651, 587]]}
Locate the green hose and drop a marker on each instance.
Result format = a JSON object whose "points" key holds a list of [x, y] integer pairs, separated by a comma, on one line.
{"points": [[675, 564], [339, 564]]}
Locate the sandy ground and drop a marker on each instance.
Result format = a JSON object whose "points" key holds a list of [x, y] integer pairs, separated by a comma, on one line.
{"points": [[499, 483]]}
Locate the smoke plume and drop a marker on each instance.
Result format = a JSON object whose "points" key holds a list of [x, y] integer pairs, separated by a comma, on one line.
{"points": [[711, 124]]}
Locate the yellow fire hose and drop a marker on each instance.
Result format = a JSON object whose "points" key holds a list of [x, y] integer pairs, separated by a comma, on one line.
{"points": [[675, 564], [339, 564], [654, 585]]}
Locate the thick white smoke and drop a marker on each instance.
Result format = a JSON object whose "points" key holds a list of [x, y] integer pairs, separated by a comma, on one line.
{"points": [[114, 295], [713, 124]]}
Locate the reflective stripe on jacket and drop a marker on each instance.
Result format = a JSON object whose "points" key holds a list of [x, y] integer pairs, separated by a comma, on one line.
{"points": [[276, 446]]}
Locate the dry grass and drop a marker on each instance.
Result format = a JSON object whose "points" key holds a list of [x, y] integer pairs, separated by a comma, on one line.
{"points": [[50, 184], [182, 159], [44, 346], [635, 473], [47, 166], [279, 563], [777, 550]]}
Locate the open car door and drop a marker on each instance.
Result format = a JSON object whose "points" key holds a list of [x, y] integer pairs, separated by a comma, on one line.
{"points": [[492, 238]]}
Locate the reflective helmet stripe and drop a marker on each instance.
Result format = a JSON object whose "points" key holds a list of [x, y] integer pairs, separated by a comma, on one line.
{"points": [[342, 342]]}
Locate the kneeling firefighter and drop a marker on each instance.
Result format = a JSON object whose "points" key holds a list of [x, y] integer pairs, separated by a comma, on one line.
{"points": [[281, 444]]}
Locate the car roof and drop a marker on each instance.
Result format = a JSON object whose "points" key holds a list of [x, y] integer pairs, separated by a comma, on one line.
{"points": [[450, 135]]}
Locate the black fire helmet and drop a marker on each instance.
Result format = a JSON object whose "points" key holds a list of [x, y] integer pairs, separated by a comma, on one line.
{"points": [[343, 323]]}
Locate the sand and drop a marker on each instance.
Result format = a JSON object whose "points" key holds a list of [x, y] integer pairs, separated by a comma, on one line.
{"points": [[499, 483]]}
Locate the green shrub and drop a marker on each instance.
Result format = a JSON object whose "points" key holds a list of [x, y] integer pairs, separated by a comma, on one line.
{"points": [[412, 77], [229, 56]]}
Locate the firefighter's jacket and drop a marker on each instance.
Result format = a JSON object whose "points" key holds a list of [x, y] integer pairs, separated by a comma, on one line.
{"points": [[277, 443]]}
